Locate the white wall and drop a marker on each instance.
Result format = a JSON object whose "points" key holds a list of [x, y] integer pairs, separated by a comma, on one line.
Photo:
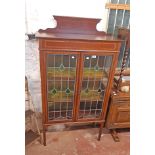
{"points": [[38, 13]]}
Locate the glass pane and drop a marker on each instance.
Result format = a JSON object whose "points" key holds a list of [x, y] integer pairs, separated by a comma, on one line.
{"points": [[128, 2], [112, 16], [114, 1], [126, 18], [61, 75], [94, 82], [119, 18], [122, 1]]}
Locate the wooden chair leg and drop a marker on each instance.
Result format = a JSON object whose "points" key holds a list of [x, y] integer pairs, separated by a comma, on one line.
{"points": [[114, 135], [35, 117], [44, 135], [100, 131]]}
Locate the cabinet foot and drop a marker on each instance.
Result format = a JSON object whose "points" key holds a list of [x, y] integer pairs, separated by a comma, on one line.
{"points": [[44, 135], [114, 135], [100, 131]]}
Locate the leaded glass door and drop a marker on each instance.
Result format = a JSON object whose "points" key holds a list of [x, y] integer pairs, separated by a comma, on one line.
{"points": [[94, 81], [61, 84]]}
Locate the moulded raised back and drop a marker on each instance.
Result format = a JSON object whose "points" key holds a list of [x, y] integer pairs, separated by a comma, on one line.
{"points": [[76, 25]]}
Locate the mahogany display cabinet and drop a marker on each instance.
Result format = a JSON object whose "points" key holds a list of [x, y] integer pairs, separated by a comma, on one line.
{"points": [[77, 65]]}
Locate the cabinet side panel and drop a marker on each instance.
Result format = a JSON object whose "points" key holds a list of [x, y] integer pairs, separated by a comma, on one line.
{"points": [[109, 86], [43, 85]]}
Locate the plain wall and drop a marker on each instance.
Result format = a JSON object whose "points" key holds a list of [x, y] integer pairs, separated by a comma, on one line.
{"points": [[38, 13]]}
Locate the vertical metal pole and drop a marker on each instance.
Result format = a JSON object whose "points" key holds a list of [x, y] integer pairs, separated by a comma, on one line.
{"points": [[108, 1], [115, 19], [123, 15], [129, 24]]}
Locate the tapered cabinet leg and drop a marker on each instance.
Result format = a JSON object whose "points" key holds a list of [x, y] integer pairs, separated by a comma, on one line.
{"points": [[114, 135], [44, 135], [100, 131]]}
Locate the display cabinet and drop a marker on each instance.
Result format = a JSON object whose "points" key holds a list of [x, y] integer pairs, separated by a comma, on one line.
{"points": [[77, 65]]}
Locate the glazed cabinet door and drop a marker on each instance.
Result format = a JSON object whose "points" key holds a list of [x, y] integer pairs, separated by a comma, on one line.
{"points": [[61, 69], [94, 81]]}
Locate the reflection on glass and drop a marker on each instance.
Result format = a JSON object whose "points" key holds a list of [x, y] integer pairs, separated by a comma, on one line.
{"points": [[61, 74], [94, 82]]}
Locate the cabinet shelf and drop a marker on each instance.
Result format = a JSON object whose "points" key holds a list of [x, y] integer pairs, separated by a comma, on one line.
{"points": [[59, 115], [70, 73], [88, 114], [61, 96], [55, 72], [91, 73]]}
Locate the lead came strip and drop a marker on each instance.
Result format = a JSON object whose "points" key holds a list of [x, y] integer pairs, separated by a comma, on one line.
{"points": [[87, 83], [104, 70], [47, 84], [61, 86], [93, 86], [68, 85], [75, 57], [54, 85], [100, 84], [57, 80]]}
